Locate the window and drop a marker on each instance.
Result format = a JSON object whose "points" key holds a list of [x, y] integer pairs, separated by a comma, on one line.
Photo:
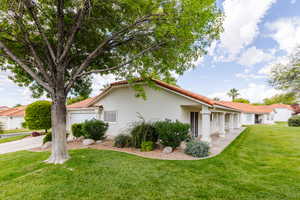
{"points": [[249, 117], [110, 116]]}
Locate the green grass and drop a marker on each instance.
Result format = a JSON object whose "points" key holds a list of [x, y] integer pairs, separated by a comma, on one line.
{"points": [[15, 131], [10, 139], [262, 163]]}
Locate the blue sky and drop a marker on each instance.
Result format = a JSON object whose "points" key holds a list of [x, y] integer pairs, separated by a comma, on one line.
{"points": [[257, 34]]}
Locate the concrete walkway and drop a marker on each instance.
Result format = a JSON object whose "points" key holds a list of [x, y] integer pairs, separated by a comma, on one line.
{"points": [[24, 144]]}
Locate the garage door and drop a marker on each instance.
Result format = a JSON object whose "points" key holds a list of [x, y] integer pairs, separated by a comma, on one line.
{"points": [[81, 117]]}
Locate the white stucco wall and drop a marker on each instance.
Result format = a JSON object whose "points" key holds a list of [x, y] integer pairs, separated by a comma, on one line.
{"points": [[247, 118], [282, 114], [15, 122], [159, 105], [4, 122]]}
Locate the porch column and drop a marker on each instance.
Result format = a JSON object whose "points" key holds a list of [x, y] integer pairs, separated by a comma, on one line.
{"points": [[205, 132], [222, 124], [231, 121], [239, 120], [236, 120]]}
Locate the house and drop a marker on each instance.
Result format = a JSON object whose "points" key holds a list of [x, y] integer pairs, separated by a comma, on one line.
{"points": [[282, 112], [251, 114], [3, 108], [119, 106], [12, 118], [296, 109]]}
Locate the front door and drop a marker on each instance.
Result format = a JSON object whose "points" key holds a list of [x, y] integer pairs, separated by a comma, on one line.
{"points": [[194, 118]]}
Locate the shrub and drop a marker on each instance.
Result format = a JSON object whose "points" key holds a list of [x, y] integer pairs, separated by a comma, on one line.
{"points": [[147, 146], [35, 134], [294, 121], [38, 115], [172, 133], [197, 148], [122, 141], [24, 125], [77, 130], [47, 138], [94, 129], [142, 132], [1, 128]]}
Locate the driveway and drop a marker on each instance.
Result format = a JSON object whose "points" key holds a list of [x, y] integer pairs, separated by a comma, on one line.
{"points": [[24, 144]]}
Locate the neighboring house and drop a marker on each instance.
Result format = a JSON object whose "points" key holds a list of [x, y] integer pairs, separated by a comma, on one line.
{"points": [[252, 114], [3, 108], [282, 112], [119, 106], [12, 118], [296, 108]]}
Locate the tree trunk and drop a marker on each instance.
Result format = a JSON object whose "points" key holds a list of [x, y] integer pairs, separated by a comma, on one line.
{"points": [[59, 153]]}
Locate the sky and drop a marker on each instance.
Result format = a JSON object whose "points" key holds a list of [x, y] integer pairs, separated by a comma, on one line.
{"points": [[257, 34]]}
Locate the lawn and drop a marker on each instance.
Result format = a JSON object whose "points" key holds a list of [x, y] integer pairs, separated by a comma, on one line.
{"points": [[15, 131], [263, 163], [10, 139]]}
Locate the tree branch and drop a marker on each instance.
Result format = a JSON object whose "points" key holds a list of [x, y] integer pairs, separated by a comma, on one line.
{"points": [[60, 26], [105, 42], [30, 7], [74, 30], [151, 48], [25, 67]]}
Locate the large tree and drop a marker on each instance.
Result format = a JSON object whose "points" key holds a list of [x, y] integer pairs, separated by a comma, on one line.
{"points": [[233, 93], [287, 76], [54, 47]]}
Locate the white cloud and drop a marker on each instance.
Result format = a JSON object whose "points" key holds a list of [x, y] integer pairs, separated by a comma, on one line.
{"points": [[266, 70], [253, 56], [286, 32], [99, 81], [253, 92], [293, 1], [241, 23], [247, 76]]}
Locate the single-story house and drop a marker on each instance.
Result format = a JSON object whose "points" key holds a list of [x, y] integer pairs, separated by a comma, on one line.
{"points": [[119, 106], [282, 112], [251, 114], [12, 118]]}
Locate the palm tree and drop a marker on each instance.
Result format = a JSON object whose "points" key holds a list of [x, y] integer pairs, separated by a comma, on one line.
{"points": [[233, 93]]}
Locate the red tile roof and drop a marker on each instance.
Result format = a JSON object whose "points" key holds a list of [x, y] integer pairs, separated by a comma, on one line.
{"points": [[246, 107], [281, 106], [175, 89], [14, 112], [81, 104]]}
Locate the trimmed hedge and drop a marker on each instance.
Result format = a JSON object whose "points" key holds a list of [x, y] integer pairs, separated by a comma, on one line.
{"points": [[94, 129], [294, 121], [38, 115], [147, 146], [77, 130]]}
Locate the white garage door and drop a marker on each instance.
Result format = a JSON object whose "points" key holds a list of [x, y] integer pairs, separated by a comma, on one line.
{"points": [[81, 117]]}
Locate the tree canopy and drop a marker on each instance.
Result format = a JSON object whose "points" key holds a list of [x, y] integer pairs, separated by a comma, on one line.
{"points": [[287, 98], [287, 76], [241, 100]]}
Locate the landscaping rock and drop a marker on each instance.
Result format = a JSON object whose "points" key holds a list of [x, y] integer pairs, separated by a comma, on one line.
{"points": [[80, 139], [47, 145], [99, 141], [167, 150], [87, 142], [182, 145]]}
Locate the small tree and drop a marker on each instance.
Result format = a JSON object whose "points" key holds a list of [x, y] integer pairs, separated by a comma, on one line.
{"points": [[288, 98], [38, 115], [233, 93]]}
